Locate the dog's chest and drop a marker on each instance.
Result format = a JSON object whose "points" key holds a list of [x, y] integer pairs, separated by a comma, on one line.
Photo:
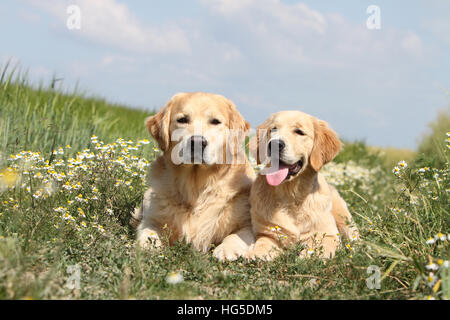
{"points": [[200, 225]]}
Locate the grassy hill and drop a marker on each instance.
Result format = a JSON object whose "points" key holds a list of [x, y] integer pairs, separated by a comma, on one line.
{"points": [[68, 184], [40, 118]]}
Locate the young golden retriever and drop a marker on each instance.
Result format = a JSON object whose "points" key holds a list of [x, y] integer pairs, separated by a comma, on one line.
{"points": [[291, 201], [200, 185]]}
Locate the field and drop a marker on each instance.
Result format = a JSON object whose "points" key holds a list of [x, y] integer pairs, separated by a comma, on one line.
{"points": [[73, 168]]}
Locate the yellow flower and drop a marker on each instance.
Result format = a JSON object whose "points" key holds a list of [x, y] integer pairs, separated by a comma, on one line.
{"points": [[8, 178], [81, 212], [174, 277]]}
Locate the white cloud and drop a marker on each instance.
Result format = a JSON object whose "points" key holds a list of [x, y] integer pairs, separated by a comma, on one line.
{"points": [[111, 23], [412, 44], [440, 27], [296, 33]]}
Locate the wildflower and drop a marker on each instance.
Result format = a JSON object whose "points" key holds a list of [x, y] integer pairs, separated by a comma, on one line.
{"points": [[67, 186], [109, 212], [67, 216], [174, 278], [440, 236], [144, 141], [8, 178], [83, 224], [402, 164], [100, 228], [38, 175], [80, 198], [76, 186], [396, 171], [431, 279], [37, 194], [432, 266], [60, 209], [81, 212]]}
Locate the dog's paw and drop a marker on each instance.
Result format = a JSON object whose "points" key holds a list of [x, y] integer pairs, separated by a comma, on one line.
{"points": [[230, 252], [148, 239], [262, 254]]}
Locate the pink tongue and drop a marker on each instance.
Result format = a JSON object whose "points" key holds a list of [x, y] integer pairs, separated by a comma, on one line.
{"points": [[277, 177]]}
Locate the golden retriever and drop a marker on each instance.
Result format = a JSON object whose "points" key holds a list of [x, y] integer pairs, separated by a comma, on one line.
{"points": [[200, 184], [291, 201]]}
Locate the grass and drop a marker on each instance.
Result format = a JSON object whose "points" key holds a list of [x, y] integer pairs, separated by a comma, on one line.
{"points": [[42, 118], [64, 209], [429, 147]]}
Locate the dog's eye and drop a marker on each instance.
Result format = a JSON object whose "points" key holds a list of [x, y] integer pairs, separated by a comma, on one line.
{"points": [[183, 120], [300, 132], [274, 129], [215, 121]]}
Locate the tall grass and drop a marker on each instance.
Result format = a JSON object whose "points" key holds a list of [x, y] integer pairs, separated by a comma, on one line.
{"points": [[430, 151], [42, 118]]}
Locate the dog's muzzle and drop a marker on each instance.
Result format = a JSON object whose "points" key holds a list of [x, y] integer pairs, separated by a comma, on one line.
{"points": [[197, 145]]}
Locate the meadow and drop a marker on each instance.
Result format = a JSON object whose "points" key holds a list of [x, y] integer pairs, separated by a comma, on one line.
{"points": [[72, 169]]}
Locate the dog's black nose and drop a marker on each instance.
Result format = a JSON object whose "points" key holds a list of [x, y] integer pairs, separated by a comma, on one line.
{"points": [[198, 143], [276, 146]]}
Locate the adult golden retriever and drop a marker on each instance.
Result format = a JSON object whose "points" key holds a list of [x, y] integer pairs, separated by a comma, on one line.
{"points": [[200, 185], [291, 202]]}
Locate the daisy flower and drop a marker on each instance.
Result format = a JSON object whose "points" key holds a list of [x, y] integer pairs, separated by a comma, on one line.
{"points": [[174, 278]]}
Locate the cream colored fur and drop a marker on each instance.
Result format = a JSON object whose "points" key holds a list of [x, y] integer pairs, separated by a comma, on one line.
{"points": [[303, 208], [203, 204]]}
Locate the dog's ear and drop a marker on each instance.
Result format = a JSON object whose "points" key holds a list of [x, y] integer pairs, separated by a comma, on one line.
{"points": [[326, 145], [236, 120], [158, 125]]}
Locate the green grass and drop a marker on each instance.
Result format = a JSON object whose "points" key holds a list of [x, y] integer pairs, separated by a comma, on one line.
{"points": [[38, 245], [429, 147], [40, 119]]}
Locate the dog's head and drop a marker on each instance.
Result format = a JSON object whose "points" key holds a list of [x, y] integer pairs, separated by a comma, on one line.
{"points": [[292, 141], [195, 128]]}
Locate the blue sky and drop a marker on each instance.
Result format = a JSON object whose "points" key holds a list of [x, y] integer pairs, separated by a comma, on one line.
{"points": [[382, 85]]}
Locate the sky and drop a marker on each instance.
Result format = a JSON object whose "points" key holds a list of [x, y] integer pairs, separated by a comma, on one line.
{"points": [[379, 85]]}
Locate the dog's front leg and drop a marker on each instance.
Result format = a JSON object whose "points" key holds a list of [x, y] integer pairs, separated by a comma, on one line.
{"points": [[147, 235], [265, 248], [235, 245]]}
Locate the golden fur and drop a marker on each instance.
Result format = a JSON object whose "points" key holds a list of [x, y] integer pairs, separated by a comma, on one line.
{"points": [[303, 208], [203, 204]]}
